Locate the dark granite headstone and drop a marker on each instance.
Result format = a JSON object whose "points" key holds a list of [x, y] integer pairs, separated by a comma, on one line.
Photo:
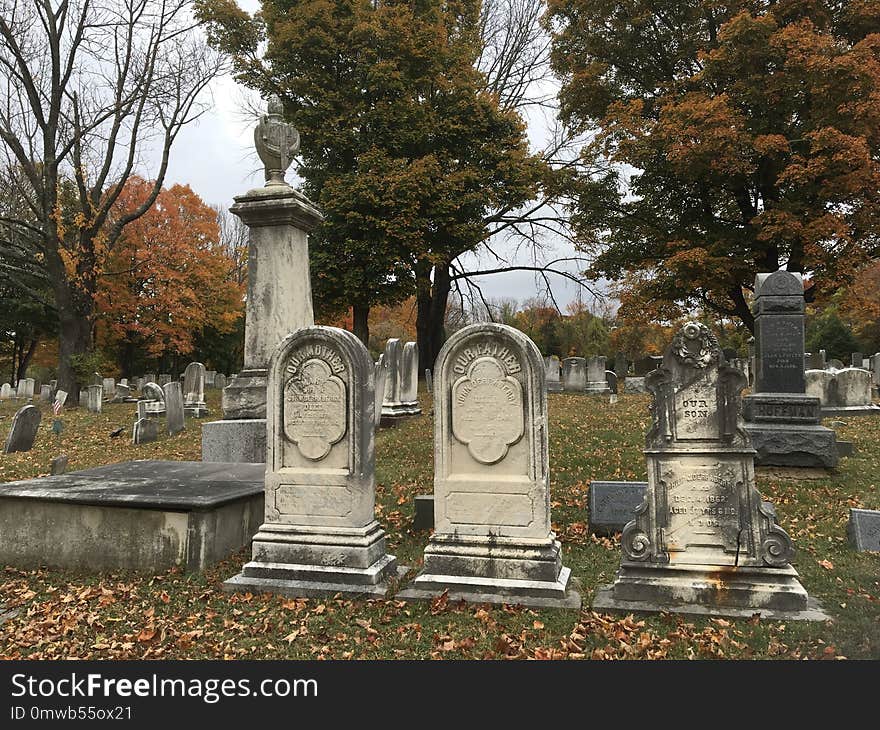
{"points": [[611, 380], [613, 504], [857, 360], [424, 517], [620, 365], [779, 333], [24, 429]]}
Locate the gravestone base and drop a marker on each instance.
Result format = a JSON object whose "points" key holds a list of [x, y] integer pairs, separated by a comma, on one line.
{"points": [[555, 387], [499, 570], [739, 592], [245, 396], [837, 411], [298, 560], [400, 410], [240, 440], [805, 445], [597, 387], [196, 410]]}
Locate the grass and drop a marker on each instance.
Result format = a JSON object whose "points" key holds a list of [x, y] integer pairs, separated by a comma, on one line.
{"points": [[63, 614]]}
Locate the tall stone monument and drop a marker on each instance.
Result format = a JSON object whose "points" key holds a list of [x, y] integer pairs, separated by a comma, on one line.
{"points": [[194, 390], [703, 541], [781, 419], [492, 538], [320, 536], [279, 299]]}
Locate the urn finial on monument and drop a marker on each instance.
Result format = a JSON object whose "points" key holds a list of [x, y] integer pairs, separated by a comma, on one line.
{"points": [[276, 141]]}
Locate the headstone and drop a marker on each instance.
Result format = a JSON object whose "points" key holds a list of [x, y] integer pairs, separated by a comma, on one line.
{"points": [[174, 414], [621, 365], [84, 397], [703, 540], [96, 379], [194, 390], [634, 384], [409, 380], [145, 430], [424, 516], [856, 360], [844, 392], [149, 378], [210, 378], [613, 505], [109, 385], [596, 382], [320, 535], [220, 381], [380, 376], [46, 393], [124, 381], [611, 381], [123, 394], [875, 369], [492, 539], [835, 364], [96, 396], [553, 373], [153, 399], [646, 364], [60, 397], [6, 391], [863, 529], [59, 465], [574, 374], [26, 388], [429, 381], [164, 378], [784, 424], [24, 429]]}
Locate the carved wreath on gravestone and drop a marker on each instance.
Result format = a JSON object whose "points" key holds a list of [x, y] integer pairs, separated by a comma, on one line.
{"points": [[314, 408], [487, 412], [696, 345]]}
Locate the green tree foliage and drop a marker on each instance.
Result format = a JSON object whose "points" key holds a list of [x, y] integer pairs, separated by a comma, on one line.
{"points": [[827, 331], [403, 149], [737, 138]]}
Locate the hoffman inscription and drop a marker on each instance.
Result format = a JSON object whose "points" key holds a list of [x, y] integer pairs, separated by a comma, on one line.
{"points": [[315, 408], [487, 404]]}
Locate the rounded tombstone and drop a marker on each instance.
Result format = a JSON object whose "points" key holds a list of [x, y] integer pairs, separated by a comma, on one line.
{"points": [[153, 391], [779, 284]]}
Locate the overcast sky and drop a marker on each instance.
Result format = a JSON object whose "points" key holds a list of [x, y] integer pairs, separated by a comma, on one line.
{"points": [[216, 158]]}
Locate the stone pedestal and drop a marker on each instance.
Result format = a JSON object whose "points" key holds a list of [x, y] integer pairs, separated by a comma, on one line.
{"points": [[235, 440], [783, 422], [279, 302], [320, 536], [492, 538], [703, 541]]}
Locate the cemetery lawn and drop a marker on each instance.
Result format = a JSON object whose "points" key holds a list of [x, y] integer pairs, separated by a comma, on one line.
{"points": [[50, 613]]}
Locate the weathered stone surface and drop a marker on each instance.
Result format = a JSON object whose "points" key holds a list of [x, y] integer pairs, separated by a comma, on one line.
{"points": [[574, 374], [46, 393], [409, 380], [856, 360], [123, 394], [634, 384], [234, 440], [61, 397], [835, 364], [320, 535], [6, 391], [429, 381], [845, 392], [174, 415], [863, 529], [401, 380], [25, 388], [145, 430], [703, 540], [164, 378], [380, 371], [621, 365], [96, 397], [492, 540], [816, 361], [596, 383], [109, 386], [210, 378], [613, 504], [220, 381], [194, 390], [59, 465], [25, 424], [781, 444], [140, 515], [553, 373]]}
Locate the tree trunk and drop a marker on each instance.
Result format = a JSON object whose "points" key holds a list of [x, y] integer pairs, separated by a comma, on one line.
{"points": [[360, 315], [74, 338], [25, 356], [431, 311]]}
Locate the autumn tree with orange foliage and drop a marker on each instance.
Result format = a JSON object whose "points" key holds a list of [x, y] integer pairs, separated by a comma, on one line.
{"points": [[860, 307], [166, 280], [737, 138]]}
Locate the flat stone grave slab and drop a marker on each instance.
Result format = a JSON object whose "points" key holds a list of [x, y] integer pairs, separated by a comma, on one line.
{"points": [[137, 515], [613, 504], [864, 529]]}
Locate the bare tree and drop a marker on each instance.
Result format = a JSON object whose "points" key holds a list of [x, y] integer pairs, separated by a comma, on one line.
{"points": [[234, 242], [89, 91]]}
